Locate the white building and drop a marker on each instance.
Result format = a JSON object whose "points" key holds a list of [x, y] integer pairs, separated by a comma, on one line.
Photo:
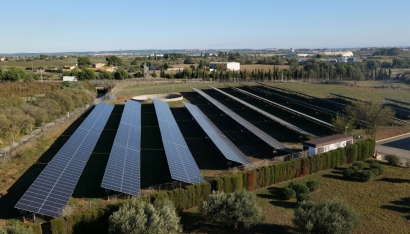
{"points": [[326, 144], [233, 66], [69, 78], [336, 53]]}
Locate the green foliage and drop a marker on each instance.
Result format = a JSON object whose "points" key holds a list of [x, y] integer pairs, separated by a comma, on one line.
{"points": [[16, 227], [359, 165], [331, 216], [57, 226], [299, 188], [366, 175], [87, 74], [105, 75], [392, 159], [36, 227], [121, 74], [84, 61], [351, 153], [342, 124], [312, 185], [137, 216], [113, 60], [218, 184], [288, 193], [228, 187], [349, 172], [14, 74], [232, 208], [376, 168], [303, 197]]}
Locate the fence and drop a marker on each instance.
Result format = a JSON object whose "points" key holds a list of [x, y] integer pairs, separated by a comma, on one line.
{"points": [[10, 152]]}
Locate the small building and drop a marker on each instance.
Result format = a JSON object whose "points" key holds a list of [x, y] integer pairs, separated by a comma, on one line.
{"points": [[326, 144], [69, 78], [98, 65], [2, 59], [353, 60], [69, 67], [110, 69], [233, 66]]}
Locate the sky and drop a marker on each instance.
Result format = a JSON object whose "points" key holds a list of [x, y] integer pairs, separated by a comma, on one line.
{"points": [[43, 26]]}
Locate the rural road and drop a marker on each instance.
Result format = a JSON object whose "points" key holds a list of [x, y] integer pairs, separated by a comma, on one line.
{"points": [[399, 146]]}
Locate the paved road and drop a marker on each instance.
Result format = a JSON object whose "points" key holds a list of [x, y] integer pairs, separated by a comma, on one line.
{"points": [[399, 146]]}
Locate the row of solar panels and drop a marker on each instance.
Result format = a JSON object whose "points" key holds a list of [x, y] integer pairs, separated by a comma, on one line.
{"points": [[50, 192]]}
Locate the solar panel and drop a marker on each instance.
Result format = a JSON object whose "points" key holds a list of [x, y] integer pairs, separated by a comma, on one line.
{"points": [[256, 131], [123, 171], [227, 148], [272, 117], [180, 161], [50, 192]]}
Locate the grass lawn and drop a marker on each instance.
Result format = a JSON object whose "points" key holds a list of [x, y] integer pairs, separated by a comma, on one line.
{"points": [[383, 204]]}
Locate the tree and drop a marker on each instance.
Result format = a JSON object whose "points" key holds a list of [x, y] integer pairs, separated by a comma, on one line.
{"points": [[342, 124], [87, 74], [14, 74], [374, 115], [137, 216], [232, 208], [105, 75], [84, 61], [331, 216], [121, 74], [113, 60], [189, 60]]}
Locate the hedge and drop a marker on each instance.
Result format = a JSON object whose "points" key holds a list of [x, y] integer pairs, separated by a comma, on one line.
{"points": [[36, 227], [96, 221]]}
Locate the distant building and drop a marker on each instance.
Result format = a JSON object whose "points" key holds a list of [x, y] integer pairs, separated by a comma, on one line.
{"points": [[336, 53], [69, 78], [325, 144], [110, 69], [2, 59], [353, 60], [98, 65], [69, 67], [233, 66]]}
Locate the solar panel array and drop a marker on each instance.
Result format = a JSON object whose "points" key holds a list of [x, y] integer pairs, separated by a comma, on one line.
{"points": [[50, 192], [180, 161], [256, 131], [123, 171], [272, 117], [227, 148]]}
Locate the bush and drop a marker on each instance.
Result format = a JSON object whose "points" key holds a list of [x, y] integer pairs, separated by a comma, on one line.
{"points": [[304, 197], [299, 189], [312, 185], [16, 227], [232, 208], [376, 168], [137, 216], [366, 175], [392, 159], [349, 172], [288, 193], [331, 216], [359, 165]]}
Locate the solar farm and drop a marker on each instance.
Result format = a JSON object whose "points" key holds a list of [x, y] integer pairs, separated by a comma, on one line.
{"points": [[213, 130]]}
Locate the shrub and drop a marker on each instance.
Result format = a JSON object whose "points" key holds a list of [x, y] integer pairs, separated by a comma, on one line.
{"points": [[288, 193], [15, 227], [349, 172], [375, 166], [366, 175], [304, 197], [232, 208], [331, 216], [299, 188], [359, 165], [137, 216], [392, 159], [312, 185]]}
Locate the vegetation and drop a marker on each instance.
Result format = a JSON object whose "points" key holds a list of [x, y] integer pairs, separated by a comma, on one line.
{"points": [[342, 124], [84, 61], [137, 216], [16, 227], [393, 159], [113, 60], [358, 170], [331, 216], [312, 185], [232, 208], [373, 114]]}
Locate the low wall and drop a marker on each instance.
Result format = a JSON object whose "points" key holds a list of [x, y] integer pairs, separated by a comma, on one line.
{"points": [[163, 97]]}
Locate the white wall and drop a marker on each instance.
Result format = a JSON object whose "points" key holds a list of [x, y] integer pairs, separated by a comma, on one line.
{"points": [[233, 66], [326, 148]]}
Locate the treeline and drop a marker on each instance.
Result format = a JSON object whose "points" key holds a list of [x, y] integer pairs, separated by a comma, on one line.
{"points": [[96, 220], [20, 116]]}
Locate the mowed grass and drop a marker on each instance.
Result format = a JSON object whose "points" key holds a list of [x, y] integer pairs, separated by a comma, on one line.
{"points": [[383, 204]]}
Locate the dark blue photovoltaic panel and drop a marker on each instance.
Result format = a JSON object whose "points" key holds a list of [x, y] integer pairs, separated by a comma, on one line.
{"points": [[123, 171], [256, 131], [180, 161], [50, 192], [227, 148]]}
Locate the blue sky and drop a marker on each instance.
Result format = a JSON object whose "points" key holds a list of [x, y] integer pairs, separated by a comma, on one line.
{"points": [[89, 25]]}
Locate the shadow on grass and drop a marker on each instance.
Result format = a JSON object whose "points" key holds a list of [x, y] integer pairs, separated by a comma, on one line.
{"points": [[402, 206], [17, 190], [196, 222], [395, 180], [340, 177], [276, 194]]}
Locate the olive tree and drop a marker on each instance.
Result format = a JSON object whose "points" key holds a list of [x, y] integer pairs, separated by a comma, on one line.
{"points": [[137, 216], [331, 216], [232, 208]]}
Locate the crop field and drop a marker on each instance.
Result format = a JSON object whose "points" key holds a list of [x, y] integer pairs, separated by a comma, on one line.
{"points": [[383, 204]]}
